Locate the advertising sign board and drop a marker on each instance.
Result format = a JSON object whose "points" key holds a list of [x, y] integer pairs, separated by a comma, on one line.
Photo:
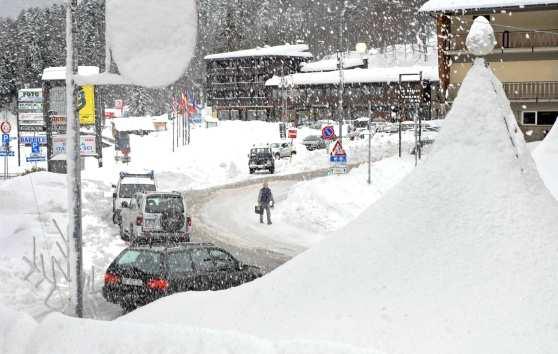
{"points": [[87, 145], [30, 110], [86, 105]]}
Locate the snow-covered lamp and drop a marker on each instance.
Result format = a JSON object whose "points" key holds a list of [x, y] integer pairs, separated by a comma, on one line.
{"points": [[152, 42], [481, 40]]}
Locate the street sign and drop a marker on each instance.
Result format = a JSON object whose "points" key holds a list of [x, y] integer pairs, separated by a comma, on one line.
{"points": [[338, 149], [282, 131], [338, 159], [87, 145], [35, 147], [28, 140], [6, 153], [328, 132], [35, 158], [292, 134], [5, 139], [118, 104], [5, 127]]}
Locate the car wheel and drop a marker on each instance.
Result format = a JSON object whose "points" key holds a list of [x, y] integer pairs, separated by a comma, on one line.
{"points": [[115, 219], [128, 306], [272, 170], [277, 156], [293, 153], [251, 171]]}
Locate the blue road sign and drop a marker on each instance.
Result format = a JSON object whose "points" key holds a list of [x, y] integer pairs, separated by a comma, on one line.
{"points": [[35, 158], [328, 132], [5, 139], [7, 153], [338, 159], [28, 140], [35, 147]]}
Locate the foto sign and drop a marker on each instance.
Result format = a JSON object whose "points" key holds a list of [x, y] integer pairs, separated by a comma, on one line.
{"points": [[87, 145], [30, 110]]}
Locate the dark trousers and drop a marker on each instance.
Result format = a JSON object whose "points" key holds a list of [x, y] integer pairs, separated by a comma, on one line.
{"points": [[268, 212]]}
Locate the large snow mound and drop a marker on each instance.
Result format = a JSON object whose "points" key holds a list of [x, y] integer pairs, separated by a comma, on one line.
{"points": [[546, 156], [152, 41], [458, 258]]}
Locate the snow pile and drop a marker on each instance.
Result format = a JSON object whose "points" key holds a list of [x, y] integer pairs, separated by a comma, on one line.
{"points": [[27, 207], [458, 258], [326, 204], [546, 157], [481, 40], [152, 41], [452, 5], [15, 330]]}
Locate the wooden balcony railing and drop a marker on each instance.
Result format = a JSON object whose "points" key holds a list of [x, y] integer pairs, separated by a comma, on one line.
{"points": [[516, 40], [518, 91]]}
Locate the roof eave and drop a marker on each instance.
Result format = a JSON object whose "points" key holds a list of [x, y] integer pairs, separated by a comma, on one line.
{"points": [[473, 11]]}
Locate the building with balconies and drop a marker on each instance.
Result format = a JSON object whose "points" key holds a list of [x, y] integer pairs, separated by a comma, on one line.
{"points": [[525, 58], [235, 81]]}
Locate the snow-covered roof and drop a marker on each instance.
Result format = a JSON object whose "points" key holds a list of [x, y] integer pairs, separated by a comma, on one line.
{"points": [[287, 50], [358, 75], [330, 64], [133, 124], [456, 5], [59, 72]]}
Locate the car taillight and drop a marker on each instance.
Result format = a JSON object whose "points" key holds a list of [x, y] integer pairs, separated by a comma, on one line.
{"points": [[111, 279], [139, 220], [157, 283]]}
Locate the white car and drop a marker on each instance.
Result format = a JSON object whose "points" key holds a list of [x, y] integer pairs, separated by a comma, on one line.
{"points": [[280, 150], [155, 217], [128, 185]]}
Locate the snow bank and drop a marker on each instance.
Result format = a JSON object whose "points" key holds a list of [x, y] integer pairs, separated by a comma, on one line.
{"points": [[458, 258], [96, 337], [546, 157], [327, 204], [15, 330], [152, 41], [452, 5]]}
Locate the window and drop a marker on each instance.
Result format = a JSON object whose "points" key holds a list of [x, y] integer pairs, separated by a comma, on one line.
{"points": [[145, 261], [160, 203], [546, 118], [222, 259], [180, 262], [539, 118], [202, 260], [128, 190]]}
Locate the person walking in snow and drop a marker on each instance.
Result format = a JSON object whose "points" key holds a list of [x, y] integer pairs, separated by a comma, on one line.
{"points": [[265, 201]]}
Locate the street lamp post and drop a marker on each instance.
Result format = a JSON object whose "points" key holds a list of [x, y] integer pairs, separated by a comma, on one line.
{"points": [[73, 164], [340, 66]]}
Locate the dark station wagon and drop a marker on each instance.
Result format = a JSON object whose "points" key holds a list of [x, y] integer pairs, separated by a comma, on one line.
{"points": [[143, 274]]}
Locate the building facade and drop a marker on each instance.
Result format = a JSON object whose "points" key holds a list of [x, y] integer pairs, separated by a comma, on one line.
{"points": [[235, 82], [371, 88], [525, 58]]}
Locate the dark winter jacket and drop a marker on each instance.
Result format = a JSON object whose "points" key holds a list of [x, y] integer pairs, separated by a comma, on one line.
{"points": [[265, 197]]}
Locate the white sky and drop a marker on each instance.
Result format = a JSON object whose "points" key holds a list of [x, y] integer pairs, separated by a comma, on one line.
{"points": [[11, 8]]}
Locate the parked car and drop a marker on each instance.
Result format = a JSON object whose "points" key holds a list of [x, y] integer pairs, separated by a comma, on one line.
{"points": [[155, 217], [142, 274], [280, 150], [261, 158], [127, 186], [314, 142]]}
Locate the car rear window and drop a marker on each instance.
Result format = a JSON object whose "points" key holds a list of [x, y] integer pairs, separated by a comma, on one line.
{"points": [[179, 262], [128, 190], [145, 261], [161, 203]]}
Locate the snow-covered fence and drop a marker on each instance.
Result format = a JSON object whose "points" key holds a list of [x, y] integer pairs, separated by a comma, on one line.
{"points": [[55, 271]]}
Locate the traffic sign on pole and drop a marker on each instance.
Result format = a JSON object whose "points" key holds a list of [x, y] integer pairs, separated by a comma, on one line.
{"points": [[35, 147], [7, 153], [5, 139], [328, 132], [5, 127]]}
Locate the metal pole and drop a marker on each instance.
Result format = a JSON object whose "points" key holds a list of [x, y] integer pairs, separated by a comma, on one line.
{"points": [[173, 134], [340, 65], [73, 164], [369, 142]]}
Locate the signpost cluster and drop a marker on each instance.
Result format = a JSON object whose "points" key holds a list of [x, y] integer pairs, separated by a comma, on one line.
{"points": [[337, 155]]}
